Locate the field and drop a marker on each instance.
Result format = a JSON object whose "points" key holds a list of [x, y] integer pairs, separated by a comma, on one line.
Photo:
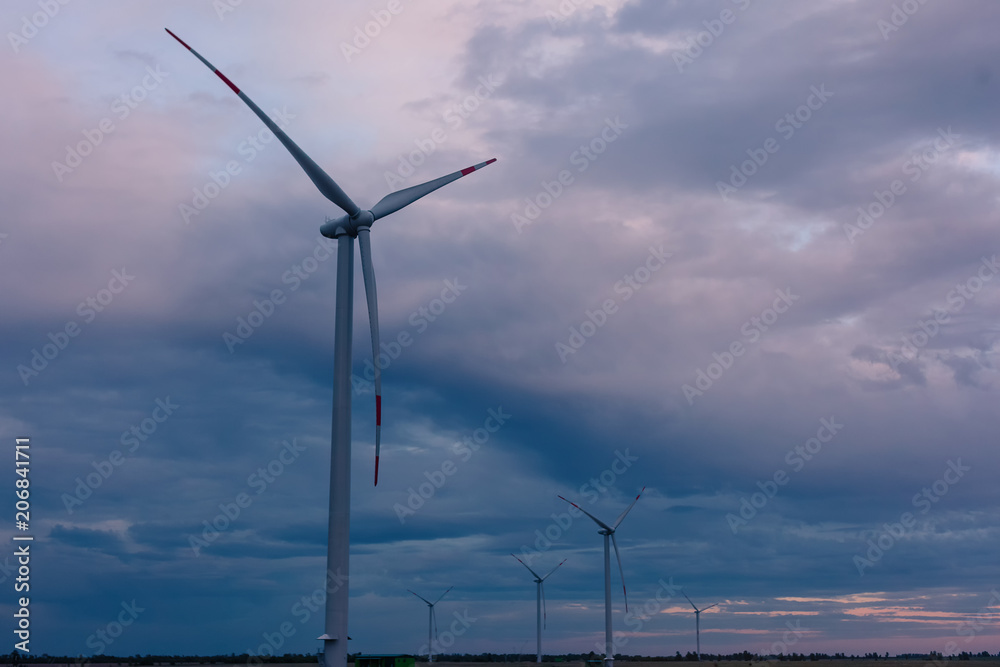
{"points": [[861, 662]]}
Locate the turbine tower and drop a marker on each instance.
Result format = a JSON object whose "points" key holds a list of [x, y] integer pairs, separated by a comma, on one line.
{"points": [[609, 536], [431, 623], [355, 223], [697, 624], [540, 600]]}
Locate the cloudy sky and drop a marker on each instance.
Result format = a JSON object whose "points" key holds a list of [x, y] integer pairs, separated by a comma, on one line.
{"points": [[741, 254]]}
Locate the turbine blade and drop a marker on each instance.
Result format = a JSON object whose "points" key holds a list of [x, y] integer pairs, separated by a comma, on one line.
{"points": [[620, 570], [320, 178], [711, 605], [627, 510], [689, 600], [368, 271], [394, 201], [443, 594], [526, 565], [553, 570], [422, 598], [596, 520]]}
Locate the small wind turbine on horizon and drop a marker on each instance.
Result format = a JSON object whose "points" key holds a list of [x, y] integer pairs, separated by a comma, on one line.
{"points": [[356, 223], [431, 623], [697, 624], [609, 537], [540, 600]]}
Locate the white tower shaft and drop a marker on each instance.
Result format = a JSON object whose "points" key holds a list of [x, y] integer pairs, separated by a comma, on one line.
{"points": [[338, 546], [538, 604], [697, 634], [609, 656], [430, 633]]}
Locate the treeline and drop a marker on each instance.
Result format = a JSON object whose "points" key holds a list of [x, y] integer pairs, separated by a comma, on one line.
{"points": [[16, 658], [150, 659], [690, 656]]}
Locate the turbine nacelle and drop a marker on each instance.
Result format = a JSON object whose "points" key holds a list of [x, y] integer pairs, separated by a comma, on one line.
{"points": [[347, 225]]}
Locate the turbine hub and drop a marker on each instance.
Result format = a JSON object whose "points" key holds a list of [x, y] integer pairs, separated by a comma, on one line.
{"points": [[362, 219]]}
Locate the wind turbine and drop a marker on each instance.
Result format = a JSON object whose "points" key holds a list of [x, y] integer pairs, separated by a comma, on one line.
{"points": [[540, 600], [609, 536], [697, 624], [431, 623], [355, 223]]}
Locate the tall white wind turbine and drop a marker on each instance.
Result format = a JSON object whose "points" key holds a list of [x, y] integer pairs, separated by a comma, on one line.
{"points": [[355, 223], [540, 600], [609, 536], [431, 623], [697, 624]]}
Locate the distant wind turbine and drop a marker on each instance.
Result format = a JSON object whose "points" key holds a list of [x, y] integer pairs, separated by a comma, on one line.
{"points": [[431, 623], [540, 600], [697, 623], [609, 537], [356, 223]]}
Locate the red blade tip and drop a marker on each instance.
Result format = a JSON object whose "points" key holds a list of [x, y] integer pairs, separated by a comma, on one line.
{"points": [[170, 32]]}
